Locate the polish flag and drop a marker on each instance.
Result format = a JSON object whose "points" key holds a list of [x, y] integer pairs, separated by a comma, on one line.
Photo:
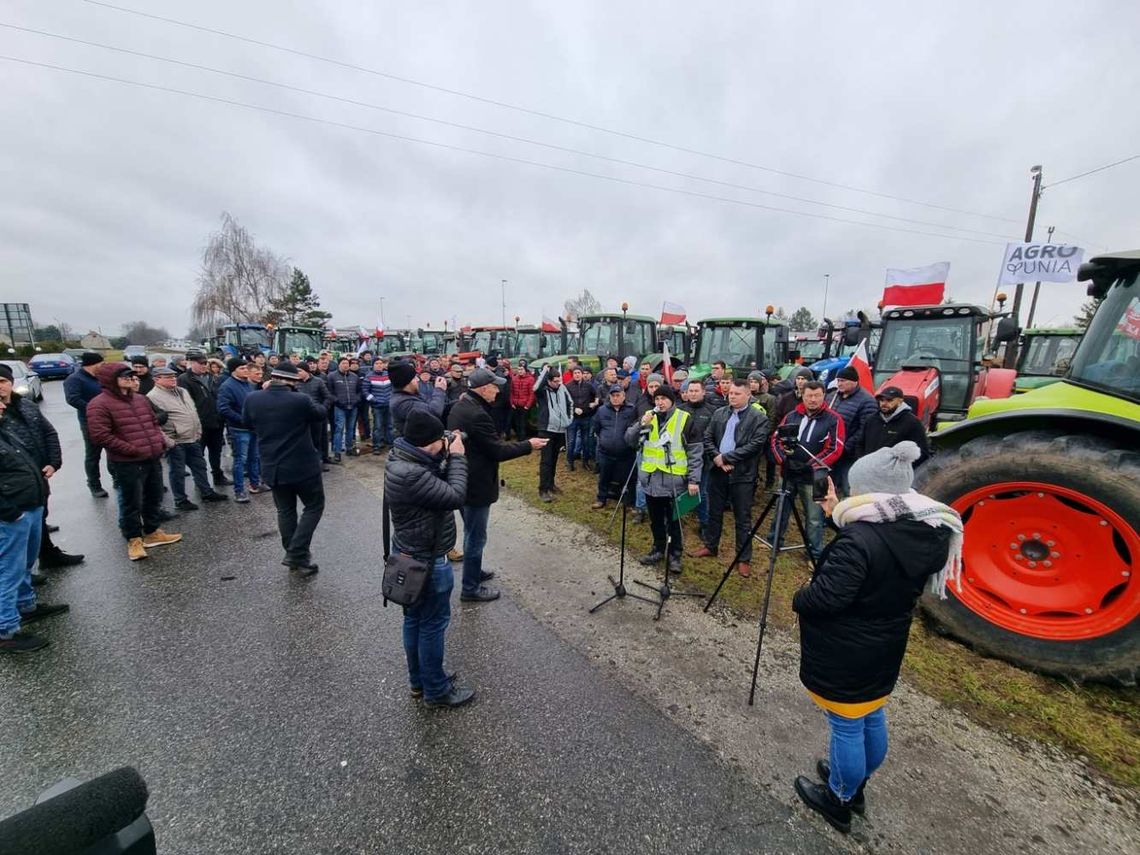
{"points": [[672, 313], [862, 366], [550, 325], [919, 286], [667, 367], [379, 330]]}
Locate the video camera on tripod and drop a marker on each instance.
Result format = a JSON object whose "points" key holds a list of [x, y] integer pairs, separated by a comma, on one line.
{"points": [[789, 437]]}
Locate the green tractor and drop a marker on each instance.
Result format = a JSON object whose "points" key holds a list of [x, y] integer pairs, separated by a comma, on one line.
{"points": [[1048, 484], [604, 334], [1044, 356], [743, 344], [305, 341]]}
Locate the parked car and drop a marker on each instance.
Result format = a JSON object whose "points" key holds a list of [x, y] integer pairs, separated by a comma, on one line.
{"points": [[76, 352], [52, 365], [134, 350], [25, 382]]}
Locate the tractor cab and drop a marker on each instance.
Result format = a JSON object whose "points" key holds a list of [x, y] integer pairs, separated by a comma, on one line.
{"points": [[679, 338], [390, 344], [1044, 355], [933, 353], [839, 343], [305, 341], [743, 344], [244, 339], [432, 342]]}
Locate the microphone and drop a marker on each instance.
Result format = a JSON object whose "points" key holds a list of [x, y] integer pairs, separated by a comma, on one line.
{"points": [[80, 817]]}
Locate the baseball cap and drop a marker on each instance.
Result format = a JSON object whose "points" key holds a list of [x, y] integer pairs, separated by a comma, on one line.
{"points": [[481, 377], [616, 387], [890, 393]]}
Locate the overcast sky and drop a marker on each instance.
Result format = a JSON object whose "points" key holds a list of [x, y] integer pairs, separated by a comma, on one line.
{"points": [[109, 191]]}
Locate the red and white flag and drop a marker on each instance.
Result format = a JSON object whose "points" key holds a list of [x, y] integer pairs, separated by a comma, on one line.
{"points": [[550, 325], [672, 313], [667, 366], [919, 286], [862, 366], [379, 330]]}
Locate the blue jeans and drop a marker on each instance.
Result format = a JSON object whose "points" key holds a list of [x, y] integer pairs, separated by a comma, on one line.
{"points": [[577, 438], [19, 548], [424, 626], [858, 746], [810, 513], [474, 540], [247, 459], [383, 432], [343, 421]]}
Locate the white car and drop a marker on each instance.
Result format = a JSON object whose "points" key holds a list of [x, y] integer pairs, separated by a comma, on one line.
{"points": [[25, 382]]}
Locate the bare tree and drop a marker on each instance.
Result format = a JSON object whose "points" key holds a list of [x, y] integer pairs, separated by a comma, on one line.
{"points": [[584, 304], [239, 280]]}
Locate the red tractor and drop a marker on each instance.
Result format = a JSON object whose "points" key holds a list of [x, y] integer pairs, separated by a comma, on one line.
{"points": [[933, 353]]}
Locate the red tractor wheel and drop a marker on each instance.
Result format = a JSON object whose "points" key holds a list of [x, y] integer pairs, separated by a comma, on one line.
{"points": [[1051, 570]]}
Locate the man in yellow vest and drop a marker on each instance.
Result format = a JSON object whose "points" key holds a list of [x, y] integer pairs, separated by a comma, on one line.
{"points": [[670, 467]]}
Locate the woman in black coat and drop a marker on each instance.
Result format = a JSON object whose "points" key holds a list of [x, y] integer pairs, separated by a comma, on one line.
{"points": [[856, 612], [424, 484]]}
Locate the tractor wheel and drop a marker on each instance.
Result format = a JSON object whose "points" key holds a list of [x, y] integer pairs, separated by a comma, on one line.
{"points": [[1051, 569]]}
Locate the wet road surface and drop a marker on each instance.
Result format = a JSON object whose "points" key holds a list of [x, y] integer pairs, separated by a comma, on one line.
{"points": [[271, 714]]}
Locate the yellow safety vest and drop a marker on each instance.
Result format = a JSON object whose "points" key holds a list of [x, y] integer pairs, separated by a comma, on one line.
{"points": [[653, 457]]}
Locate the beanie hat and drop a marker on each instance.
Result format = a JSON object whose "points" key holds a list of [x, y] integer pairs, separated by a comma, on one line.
{"points": [[401, 374], [888, 470], [756, 375], [655, 378], [285, 371], [138, 359], [90, 358], [6, 371], [234, 363], [803, 371], [847, 373], [666, 392], [422, 428]]}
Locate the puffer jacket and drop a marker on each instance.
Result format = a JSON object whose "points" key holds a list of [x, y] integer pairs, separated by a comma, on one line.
{"points": [[404, 403], [345, 389], [422, 493], [856, 612], [123, 423], [522, 390], [316, 389], [855, 410], [22, 484], [24, 423], [610, 426], [378, 387]]}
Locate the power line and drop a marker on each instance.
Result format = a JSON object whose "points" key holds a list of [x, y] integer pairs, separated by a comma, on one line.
{"points": [[539, 113], [1092, 171], [492, 155], [565, 149]]}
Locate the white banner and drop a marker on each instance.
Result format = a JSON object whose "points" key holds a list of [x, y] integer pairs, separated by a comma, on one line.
{"points": [[1040, 262]]}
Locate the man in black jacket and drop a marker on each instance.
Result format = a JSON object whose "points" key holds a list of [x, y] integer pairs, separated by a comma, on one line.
{"points": [[79, 388], [281, 417], [701, 412], [28, 427], [203, 389], [583, 399], [472, 414], [615, 457], [734, 444], [21, 517], [425, 481], [317, 390], [856, 406], [894, 423], [406, 397]]}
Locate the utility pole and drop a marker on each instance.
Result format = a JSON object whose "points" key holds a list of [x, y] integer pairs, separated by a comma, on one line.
{"points": [[504, 285], [381, 313], [1011, 348], [826, 284], [1037, 289]]}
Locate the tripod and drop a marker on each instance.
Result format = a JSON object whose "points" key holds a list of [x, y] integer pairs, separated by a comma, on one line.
{"points": [[664, 591], [620, 590], [783, 499]]}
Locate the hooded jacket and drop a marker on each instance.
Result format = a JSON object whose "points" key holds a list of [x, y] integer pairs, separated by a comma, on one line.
{"points": [[856, 612], [124, 423], [555, 408], [887, 431], [422, 493], [485, 451], [25, 424], [522, 390]]}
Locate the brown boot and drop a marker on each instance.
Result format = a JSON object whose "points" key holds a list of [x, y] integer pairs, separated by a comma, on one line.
{"points": [[135, 549], [703, 552], [597, 506], [158, 537], [454, 555], [744, 569]]}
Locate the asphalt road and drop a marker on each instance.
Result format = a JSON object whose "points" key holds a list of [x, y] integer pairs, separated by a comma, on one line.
{"points": [[271, 714]]}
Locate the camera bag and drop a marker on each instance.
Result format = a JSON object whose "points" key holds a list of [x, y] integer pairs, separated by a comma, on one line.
{"points": [[406, 579]]}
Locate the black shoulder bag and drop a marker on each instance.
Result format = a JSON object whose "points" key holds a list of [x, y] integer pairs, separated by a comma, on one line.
{"points": [[406, 580]]}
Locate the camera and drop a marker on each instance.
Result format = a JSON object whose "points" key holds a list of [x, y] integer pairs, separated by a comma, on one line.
{"points": [[449, 437], [789, 436]]}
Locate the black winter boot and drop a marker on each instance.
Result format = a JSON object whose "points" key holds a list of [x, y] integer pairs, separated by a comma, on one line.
{"points": [[823, 801], [858, 801]]}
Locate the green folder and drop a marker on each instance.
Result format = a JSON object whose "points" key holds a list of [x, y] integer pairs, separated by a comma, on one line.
{"points": [[685, 503]]}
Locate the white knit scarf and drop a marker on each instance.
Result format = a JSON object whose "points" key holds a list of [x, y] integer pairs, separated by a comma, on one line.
{"points": [[892, 507]]}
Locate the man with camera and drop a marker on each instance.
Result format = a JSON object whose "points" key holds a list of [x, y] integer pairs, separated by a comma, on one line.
{"points": [[734, 442], [425, 481], [671, 449], [473, 416], [810, 438], [281, 417]]}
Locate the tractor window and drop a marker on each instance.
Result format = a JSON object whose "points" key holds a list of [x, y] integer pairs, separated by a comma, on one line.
{"points": [[734, 345], [254, 337], [945, 344], [527, 344], [1109, 355], [639, 338], [299, 341], [600, 338], [1049, 355]]}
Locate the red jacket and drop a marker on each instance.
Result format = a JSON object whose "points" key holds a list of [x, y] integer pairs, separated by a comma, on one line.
{"points": [[522, 390], [124, 424]]}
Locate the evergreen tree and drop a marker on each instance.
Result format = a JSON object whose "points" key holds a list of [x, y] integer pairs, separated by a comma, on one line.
{"points": [[298, 304], [1085, 313], [802, 319]]}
